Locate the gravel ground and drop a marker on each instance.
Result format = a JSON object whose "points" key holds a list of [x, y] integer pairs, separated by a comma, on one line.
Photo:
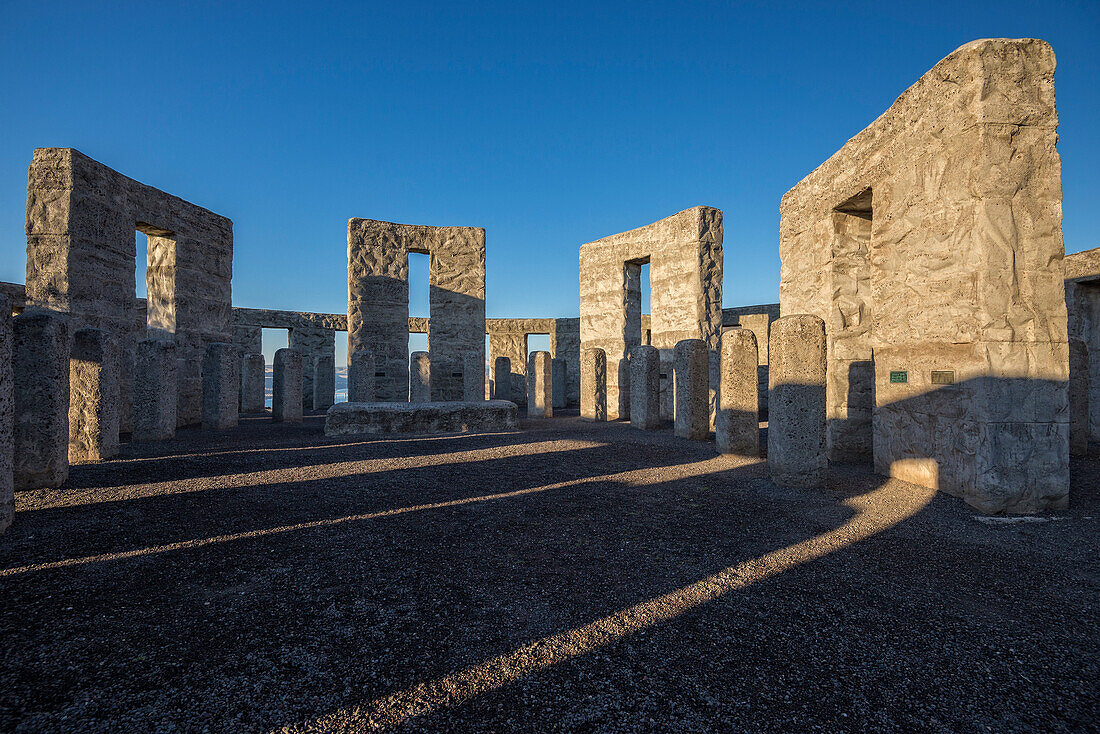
{"points": [[568, 577]]}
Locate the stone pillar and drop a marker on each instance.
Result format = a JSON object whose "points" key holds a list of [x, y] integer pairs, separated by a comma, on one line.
{"points": [[692, 390], [311, 342], [7, 417], [558, 370], [155, 390], [253, 383], [420, 377], [1078, 397], [221, 380], [760, 325], [540, 386], [502, 379], [286, 387], [796, 403], [93, 396], [594, 384], [40, 362], [324, 381], [361, 377], [473, 378], [737, 425], [645, 388]]}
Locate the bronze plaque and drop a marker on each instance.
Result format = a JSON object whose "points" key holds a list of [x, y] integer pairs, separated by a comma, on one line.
{"points": [[943, 377]]}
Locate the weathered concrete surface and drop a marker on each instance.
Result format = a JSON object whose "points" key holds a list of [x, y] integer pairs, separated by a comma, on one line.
{"points": [[540, 386], [7, 415], [349, 419], [253, 383], [248, 339], [361, 377], [324, 382], [221, 381], [312, 343], [473, 378], [1079, 358], [378, 300], [796, 421], [737, 425], [692, 390], [155, 385], [40, 366], [502, 378], [81, 223], [286, 386], [684, 253], [594, 384], [560, 379], [420, 377], [645, 387], [1083, 304], [934, 238], [93, 396]]}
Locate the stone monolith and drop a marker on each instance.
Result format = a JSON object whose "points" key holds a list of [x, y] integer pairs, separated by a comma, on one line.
{"points": [[93, 396], [540, 385], [737, 424], [253, 383], [1078, 397], [220, 383], [594, 384], [361, 377], [796, 402], [645, 387], [155, 386], [40, 362], [502, 378], [420, 377], [692, 375], [324, 381], [7, 416], [286, 387]]}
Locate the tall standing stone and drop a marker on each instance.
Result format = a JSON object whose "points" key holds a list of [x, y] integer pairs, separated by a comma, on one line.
{"points": [[324, 381], [155, 390], [558, 368], [286, 386], [594, 384], [361, 377], [40, 362], [93, 396], [796, 403], [540, 385], [7, 411], [502, 379], [220, 383], [1078, 397], [692, 389], [253, 383], [737, 424], [473, 378], [645, 388], [420, 377]]}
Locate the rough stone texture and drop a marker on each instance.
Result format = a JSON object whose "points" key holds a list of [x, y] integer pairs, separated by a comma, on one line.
{"points": [[253, 387], [420, 378], [93, 396], [1083, 303], [540, 386], [934, 238], [757, 319], [684, 253], [737, 425], [349, 419], [286, 386], [312, 343], [502, 378], [221, 381], [594, 384], [247, 338], [378, 300], [560, 379], [692, 390], [645, 387], [40, 366], [324, 382], [7, 415], [473, 378], [1079, 358], [361, 377], [155, 385], [796, 422], [81, 222]]}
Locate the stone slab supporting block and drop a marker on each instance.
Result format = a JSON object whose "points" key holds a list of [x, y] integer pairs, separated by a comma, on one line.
{"points": [[645, 388], [312, 342], [286, 387], [93, 396], [737, 425], [796, 405], [361, 377], [420, 378], [350, 419], [253, 383], [7, 416], [221, 382], [324, 381], [540, 385], [502, 379], [155, 385], [473, 378], [40, 362], [692, 375], [1078, 397], [560, 379], [594, 384]]}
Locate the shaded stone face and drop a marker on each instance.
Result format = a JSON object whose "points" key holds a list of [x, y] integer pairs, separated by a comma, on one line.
{"points": [[645, 387], [931, 246], [361, 377], [502, 379], [737, 424], [1078, 397], [796, 421], [7, 416], [93, 396], [594, 384], [420, 377], [692, 390], [155, 385], [221, 371], [559, 370], [286, 386], [253, 388], [324, 382], [540, 386], [40, 363], [349, 419]]}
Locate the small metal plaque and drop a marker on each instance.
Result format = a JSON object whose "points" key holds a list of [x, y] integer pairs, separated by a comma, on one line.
{"points": [[664, 376], [379, 374], [456, 374], [943, 377], [899, 376]]}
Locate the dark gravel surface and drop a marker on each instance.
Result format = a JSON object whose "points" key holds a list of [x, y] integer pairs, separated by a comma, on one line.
{"points": [[569, 577]]}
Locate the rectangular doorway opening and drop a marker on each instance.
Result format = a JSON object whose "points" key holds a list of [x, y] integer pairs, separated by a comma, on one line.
{"points": [[341, 366], [154, 279], [419, 302], [634, 304]]}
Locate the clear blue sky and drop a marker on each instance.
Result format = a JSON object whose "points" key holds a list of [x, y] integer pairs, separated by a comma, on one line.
{"points": [[549, 125]]}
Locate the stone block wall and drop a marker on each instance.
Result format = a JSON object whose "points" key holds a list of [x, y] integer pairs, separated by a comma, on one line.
{"points": [[1083, 303]]}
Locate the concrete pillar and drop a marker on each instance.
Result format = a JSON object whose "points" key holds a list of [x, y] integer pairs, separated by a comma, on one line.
{"points": [[558, 370], [221, 379], [7, 417], [286, 386], [692, 377], [253, 383], [40, 362], [502, 379], [796, 402], [645, 388], [594, 384], [737, 425], [420, 377], [540, 386], [361, 377], [1078, 397], [324, 381], [473, 377], [93, 396], [155, 390]]}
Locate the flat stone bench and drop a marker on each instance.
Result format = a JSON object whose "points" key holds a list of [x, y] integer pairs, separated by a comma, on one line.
{"points": [[347, 419]]}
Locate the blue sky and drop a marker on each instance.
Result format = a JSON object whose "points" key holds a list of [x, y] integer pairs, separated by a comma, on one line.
{"points": [[548, 124]]}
